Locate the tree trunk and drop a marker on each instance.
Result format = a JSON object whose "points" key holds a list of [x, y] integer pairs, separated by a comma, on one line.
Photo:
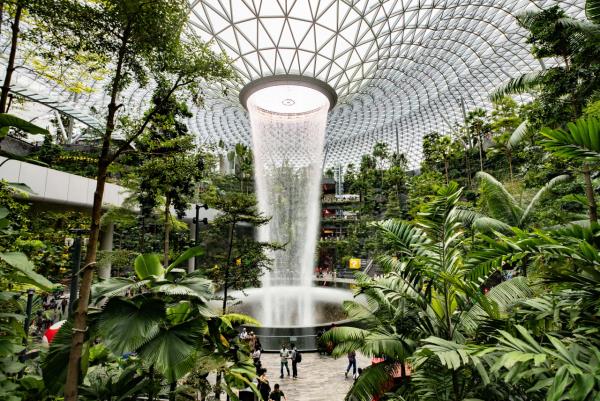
{"points": [[480, 152], [167, 230], [1, 15], [468, 167], [151, 388], [455, 385], [80, 315], [510, 168], [589, 193], [172, 389], [446, 169], [226, 282], [10, 67]]}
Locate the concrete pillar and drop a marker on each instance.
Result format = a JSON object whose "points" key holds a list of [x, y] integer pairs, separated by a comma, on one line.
{"points": [[192, 261], [106, 244]]}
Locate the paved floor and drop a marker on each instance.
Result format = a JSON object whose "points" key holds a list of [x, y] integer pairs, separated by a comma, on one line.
{"points": [[320, 378]]}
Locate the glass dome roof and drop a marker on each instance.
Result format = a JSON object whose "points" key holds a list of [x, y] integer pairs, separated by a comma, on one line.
{"points": [[401, 68]]}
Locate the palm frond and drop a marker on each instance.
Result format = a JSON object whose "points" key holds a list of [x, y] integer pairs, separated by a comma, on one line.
{"points": [[505, 295], [585, 27], [581, 141], [236, 319], [370, 383], [402, 237], [147, 265], [489, 224], [543, 192], [525, 83], [115, 286], [453, 355], [188, 254], [518, 134], [126, 325], [592, 10], [172, 350], [501, 204]]}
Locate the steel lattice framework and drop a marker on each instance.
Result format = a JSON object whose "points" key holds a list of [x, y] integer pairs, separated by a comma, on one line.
{"points": [[401, 68]]}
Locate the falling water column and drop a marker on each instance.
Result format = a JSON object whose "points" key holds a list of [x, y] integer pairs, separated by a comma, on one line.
{"points": [[288, 133]]}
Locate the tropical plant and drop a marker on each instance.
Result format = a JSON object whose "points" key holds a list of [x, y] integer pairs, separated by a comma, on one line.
{"points": [[478, 127], [120, 36], [580, 142], [8, 121], [552, 351], [429, 295], [18, 270], [162, 316], [503, 210]]}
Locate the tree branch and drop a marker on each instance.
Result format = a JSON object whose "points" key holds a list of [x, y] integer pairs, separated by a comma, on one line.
{"points": [[178, 84]]}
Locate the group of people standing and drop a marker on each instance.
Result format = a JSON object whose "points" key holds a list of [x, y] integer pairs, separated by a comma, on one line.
{"points": [[289, 354], [286, 355]]}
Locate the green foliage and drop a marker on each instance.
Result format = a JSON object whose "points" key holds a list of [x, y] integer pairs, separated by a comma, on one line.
{"points": [[16, 270], [430, 299], [581, 140], [502, 207], [8, 121], [239, 211], [164, 318]]}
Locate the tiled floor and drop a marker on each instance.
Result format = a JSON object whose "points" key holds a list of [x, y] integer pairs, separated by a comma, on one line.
{"points": [[320, 378]]}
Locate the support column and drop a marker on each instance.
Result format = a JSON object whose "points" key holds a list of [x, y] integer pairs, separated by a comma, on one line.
{"points": [[106, 244], [192, 261]]}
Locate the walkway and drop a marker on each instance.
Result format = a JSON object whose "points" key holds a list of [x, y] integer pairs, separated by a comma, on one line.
{"points": [[320, 378]]}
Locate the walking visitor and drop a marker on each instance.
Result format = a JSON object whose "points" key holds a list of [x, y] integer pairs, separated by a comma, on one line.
{"points": [[351, 363]]}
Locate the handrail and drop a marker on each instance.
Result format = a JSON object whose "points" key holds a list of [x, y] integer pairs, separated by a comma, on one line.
{"points": [[369, 266]]}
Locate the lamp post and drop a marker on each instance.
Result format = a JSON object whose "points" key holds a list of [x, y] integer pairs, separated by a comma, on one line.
{"points": [[196, 220], [75, 267]]}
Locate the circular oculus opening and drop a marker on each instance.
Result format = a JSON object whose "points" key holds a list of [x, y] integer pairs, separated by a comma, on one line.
{"points": [[288, 99], [288, 94]]}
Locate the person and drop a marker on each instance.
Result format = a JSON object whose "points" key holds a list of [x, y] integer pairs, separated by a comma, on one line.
{"points": [[284, 354], [243, 334], [277, 394], [263, 385], [351, 363], [256, 358], [294, 354], [252, 340], [257, 344]]}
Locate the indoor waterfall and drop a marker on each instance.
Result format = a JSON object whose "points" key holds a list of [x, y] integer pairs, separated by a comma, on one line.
{"points": [[288, 133]]}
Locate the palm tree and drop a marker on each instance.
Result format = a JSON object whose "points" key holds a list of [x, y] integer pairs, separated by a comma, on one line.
{"points": [[381, 155], [579, 143], [507, 144], [551, 351], [477, 126], [504, 211], [428, 294]]}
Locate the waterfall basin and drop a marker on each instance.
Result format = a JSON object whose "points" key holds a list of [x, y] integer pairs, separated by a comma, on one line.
{"points": [[312, 310]]}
